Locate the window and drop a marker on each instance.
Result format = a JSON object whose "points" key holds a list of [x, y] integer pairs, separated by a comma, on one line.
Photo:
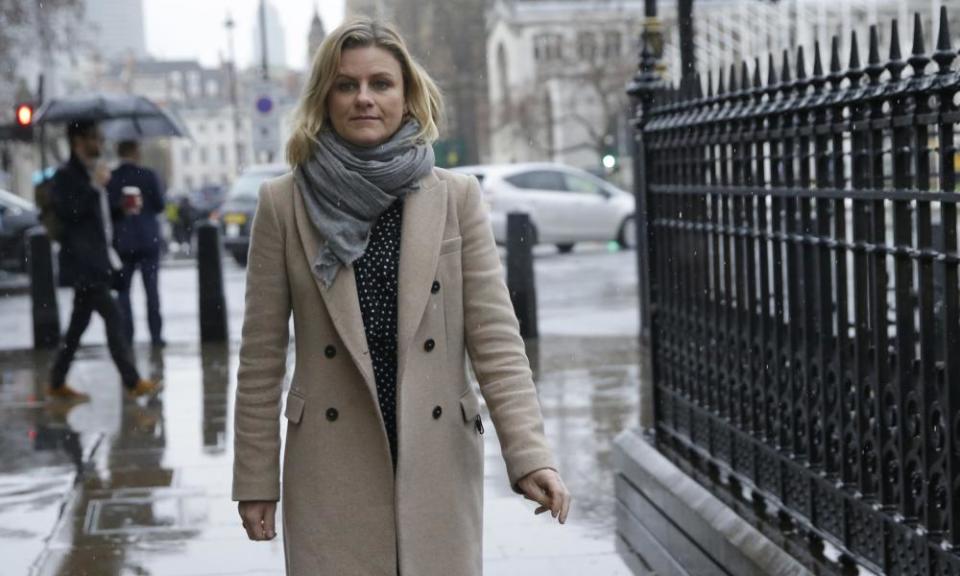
{"points": [[185, 156], [188, 183], [612, 44], [203, 155], [587, 46], [222, 150], [547, 47], [581, 185], [538, 180]]}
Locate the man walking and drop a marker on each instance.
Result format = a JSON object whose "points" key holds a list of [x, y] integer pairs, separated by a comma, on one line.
{"points": [[137, 235], [88, 262]]}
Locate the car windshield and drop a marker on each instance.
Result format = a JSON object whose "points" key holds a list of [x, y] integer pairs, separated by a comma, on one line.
{"points": [[247, 185], [11, 199]]}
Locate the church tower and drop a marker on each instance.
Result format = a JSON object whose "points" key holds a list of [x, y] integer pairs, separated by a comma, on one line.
{"points": [[317, 34]]}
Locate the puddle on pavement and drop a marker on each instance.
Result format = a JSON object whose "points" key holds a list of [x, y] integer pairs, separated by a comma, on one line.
{"points": [[154, 476]]}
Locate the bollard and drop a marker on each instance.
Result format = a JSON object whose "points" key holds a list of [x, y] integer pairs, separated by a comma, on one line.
{"points": [[213, 305], [520, 280], [43, 293]]}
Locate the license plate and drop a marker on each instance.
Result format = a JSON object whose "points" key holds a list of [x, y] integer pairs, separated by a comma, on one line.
{"points": [[233, 230], [238, 219]]}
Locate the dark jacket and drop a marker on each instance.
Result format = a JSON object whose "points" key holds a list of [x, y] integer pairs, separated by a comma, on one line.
{"points": [[136, 233], [83, 240]]}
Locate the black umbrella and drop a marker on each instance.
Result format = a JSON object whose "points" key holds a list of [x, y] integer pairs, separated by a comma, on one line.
{"points": [[123, 116]]}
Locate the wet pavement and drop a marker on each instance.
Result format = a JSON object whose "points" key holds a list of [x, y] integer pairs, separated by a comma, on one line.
{"points": [[121, 487]]}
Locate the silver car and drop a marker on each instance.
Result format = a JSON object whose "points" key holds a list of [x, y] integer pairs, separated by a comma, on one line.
{"points": [[566, 205]]}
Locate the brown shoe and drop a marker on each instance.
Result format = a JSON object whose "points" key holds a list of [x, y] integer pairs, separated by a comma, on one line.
{"points": [[67, 394], [147, 388]]}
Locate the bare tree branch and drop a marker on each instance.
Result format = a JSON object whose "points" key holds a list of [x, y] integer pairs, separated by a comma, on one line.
{"points": [[524, 116]]}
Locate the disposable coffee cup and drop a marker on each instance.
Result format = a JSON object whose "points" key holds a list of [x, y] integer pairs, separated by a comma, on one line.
{"points": [[131, 198]]}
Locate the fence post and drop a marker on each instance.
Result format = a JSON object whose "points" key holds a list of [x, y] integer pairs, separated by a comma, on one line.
{"points": [[642, 91], [520, 278], [43, 292], [213, 305]]}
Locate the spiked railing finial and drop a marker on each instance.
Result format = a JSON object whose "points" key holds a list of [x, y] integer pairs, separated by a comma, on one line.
{"points": [[918, 59], [721, 85], [854, 51], [835, 55], [943, 35], [785, 77], [874, 56], [944, 55], [801, 65], [918, 41], [709, 83], [895, 55], [772, 79], [757, 79], [896, 63], [874, 65], [817, 62], [733, 79]]}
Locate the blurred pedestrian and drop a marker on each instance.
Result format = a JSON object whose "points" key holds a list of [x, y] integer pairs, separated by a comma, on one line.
{"points": [[137, 236], [185, 219], [390, 269], [88, 261]]}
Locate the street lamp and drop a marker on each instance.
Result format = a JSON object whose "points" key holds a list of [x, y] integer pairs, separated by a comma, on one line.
{"points": [[229, 24]]}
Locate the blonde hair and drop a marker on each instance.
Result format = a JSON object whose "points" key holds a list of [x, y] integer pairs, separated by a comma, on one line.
{"points": [[422, 97]]}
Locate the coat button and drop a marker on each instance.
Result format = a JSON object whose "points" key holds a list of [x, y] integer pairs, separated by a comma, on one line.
{"points": [[435, 288], [437, 411], [332, 414], [429, 345], [330, 351]]}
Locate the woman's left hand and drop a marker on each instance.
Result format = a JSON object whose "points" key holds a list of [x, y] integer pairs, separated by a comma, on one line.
{"points": [[546, 488]]}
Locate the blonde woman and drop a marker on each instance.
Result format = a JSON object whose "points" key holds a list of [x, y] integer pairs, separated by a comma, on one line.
{"points": [[389, 267]]}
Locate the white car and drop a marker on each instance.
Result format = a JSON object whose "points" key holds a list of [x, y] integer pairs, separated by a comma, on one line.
{"points": [[566, 205]]}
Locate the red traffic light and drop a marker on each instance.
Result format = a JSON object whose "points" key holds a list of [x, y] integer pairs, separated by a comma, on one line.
{"points": [[24, 114]]}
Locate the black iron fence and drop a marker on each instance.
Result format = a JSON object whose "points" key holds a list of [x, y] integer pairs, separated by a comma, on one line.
{"points": [[801, 280]]}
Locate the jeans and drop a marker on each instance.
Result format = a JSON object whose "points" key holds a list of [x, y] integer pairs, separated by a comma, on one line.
{"points": [[149, 264]]}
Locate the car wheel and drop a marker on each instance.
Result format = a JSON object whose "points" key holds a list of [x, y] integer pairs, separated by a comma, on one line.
{"points": [[628, 233], [240, 256], [565, 248]]}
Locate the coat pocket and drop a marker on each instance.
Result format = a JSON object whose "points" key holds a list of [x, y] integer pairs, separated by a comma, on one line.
{"points": [[294, 409], [470, 409], [451, 245]]}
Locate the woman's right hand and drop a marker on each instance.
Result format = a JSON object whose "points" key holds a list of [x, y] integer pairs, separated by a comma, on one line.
{"points": [[258, 519]]}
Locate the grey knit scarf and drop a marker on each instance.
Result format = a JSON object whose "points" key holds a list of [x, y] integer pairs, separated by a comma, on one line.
{"points": [[346, 187]]}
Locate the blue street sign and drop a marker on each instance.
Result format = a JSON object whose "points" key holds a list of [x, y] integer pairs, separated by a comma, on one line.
{"points": [[264, 104]]}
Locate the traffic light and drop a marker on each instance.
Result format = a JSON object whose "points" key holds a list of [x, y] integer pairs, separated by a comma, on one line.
{"points": [[23, 121], [24, 114]]}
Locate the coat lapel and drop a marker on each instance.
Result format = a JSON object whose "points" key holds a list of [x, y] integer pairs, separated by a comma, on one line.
{"points": [[343, 304], [424, 217]]}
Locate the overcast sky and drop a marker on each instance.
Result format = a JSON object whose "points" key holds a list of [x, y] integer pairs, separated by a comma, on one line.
{"points": [[193, 29]]}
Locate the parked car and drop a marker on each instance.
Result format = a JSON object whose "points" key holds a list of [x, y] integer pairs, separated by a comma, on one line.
{"points": [[566, 205], [207, 200], [236, 213], [17, 215]]}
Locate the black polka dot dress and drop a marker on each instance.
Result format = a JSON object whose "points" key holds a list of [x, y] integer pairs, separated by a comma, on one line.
{"points": [[377, 273]]}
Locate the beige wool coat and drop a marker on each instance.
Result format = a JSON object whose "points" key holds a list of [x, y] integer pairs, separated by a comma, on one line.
{"points": [[344, 511]]}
